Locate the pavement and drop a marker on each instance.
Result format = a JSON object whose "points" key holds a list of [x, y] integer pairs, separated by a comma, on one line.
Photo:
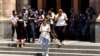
{"points": [[69, 48], [13, 55]]}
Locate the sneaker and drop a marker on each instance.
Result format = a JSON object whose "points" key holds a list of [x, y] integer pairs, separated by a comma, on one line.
{"points": [[59, 45], [47, 54], [17, 45], [22, 46]]}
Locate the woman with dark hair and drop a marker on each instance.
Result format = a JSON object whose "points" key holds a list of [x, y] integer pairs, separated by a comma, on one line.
{"points": [[14, 19], [21, 32]]}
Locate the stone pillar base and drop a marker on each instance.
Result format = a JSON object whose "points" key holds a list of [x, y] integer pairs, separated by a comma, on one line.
{"points": [[97, 30]]}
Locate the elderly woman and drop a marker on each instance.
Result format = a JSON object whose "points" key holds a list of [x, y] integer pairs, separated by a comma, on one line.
{"points": [[61, 24]]}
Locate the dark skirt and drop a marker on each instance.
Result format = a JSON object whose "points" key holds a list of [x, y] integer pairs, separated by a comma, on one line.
{"points": [[20, 30]]}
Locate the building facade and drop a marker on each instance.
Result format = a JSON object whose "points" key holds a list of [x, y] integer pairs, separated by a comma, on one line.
{"points": [[6, 6]]}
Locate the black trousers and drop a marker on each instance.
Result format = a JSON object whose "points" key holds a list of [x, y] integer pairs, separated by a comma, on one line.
{"points": [[53, 33], [61, 32], [28, 33], [14, 28]]}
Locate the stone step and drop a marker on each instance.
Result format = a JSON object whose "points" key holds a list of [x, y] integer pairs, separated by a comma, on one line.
{"points": [[14, 55], [61, 50], [50, 53], [70, 48], [54, 45]]}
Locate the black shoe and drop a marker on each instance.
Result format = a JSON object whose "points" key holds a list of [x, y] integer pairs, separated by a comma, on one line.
{"points": [[59, 46], [33, 41], [29, 41]]}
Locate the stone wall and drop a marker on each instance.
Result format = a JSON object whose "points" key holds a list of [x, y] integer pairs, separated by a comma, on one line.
{"points": [[20, 4], [7, 7], [0, 8], [96, 5], [7, 29], [97, 24]]}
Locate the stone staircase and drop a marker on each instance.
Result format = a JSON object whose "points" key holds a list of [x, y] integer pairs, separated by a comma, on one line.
{"points": [[69, 48]]}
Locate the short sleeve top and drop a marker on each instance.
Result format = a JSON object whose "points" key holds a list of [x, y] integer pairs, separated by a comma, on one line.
{"points": [[61, 20], [14, 18]]}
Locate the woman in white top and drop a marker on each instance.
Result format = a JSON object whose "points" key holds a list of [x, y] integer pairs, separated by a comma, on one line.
{"points": [[44, 38], [61, 24], [14, 19], [51, 17]]}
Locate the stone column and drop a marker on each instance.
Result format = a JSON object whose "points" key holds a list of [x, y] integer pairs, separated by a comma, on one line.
{"points": [[97, 24], [92, 3], [76, 7], [97, 29], [58, 4], [1, 26], [5, 26], [18, 5], [21, 3], [8, 6], [44, 4], [25, 2], [0, 8], [40, 4], [97, 6], [92, 25]]}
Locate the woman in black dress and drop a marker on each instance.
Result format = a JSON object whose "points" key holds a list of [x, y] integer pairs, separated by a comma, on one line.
{"points": [[21, 32]]}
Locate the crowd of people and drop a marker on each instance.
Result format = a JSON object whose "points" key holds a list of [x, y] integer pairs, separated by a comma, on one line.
{"points": [[30, 24]]}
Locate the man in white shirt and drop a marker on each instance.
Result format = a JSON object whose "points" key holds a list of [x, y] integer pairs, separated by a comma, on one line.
{"points": [[14, 19]]}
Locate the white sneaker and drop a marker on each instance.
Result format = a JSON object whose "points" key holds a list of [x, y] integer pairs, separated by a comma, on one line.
{"points": [[60, 43], [47, 54]]}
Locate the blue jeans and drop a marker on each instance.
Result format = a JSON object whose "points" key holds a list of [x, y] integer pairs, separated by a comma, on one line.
{"points": [[45, 45], [32, 29]]}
